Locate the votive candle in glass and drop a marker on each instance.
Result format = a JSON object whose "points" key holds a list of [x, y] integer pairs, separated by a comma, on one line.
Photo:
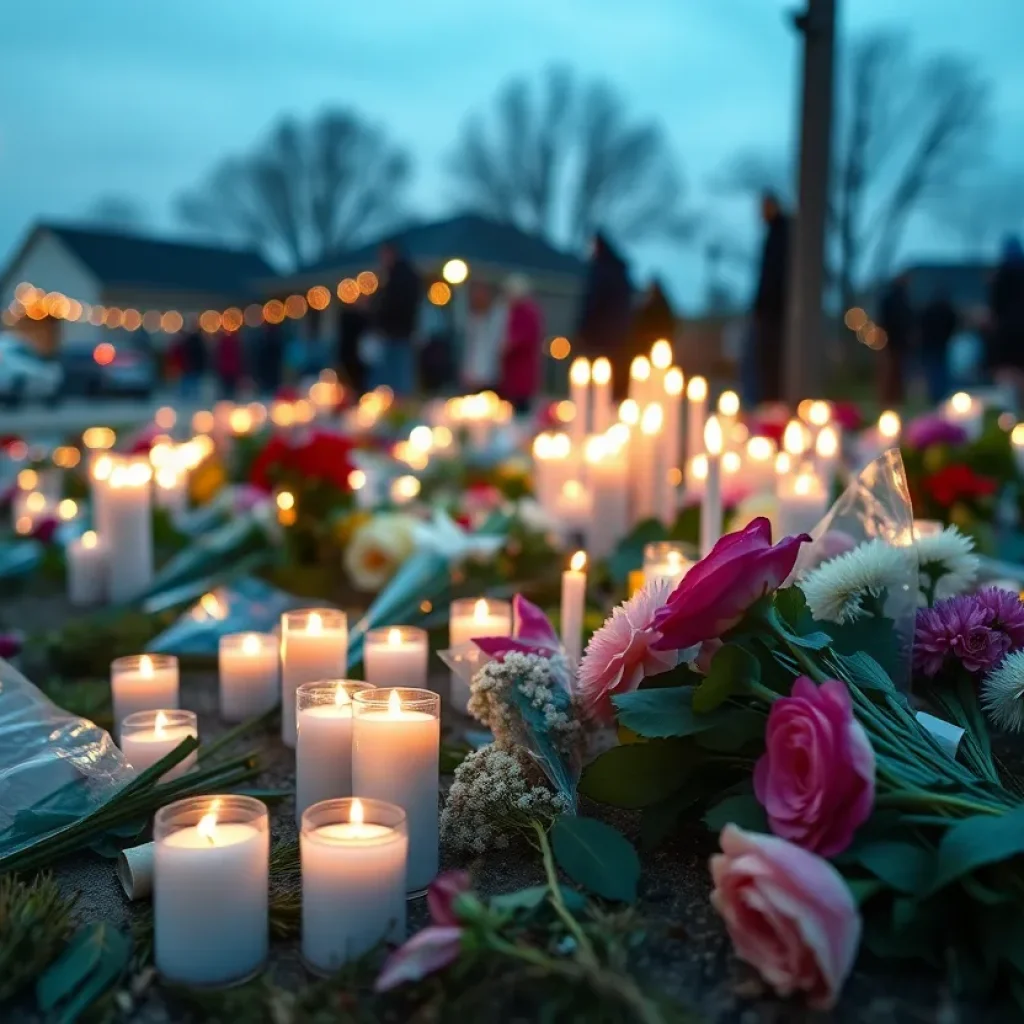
{"points": [[353, 854], [396, 741], [396, 656], [211, 889], [314, 646], [249, 668], [143, 682], [665, 560], [147, 736], [323, 757], [470, 618]]}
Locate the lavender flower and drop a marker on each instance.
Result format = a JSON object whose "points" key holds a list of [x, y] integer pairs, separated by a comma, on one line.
{"points": [[962, 629]]}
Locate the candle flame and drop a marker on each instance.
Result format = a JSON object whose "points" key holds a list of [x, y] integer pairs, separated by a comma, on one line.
{"points": [[250, 644], [828, 443], [579, 372], [675, 560], [652, 419], [661, 354], [341, 696], [394, 703], [759, 449], [602, 371], [697, 389], [89, 539], [804, 483], [961, 403], [480, 610], [819, 413], [629, 412], [640, 368], [783, 463], [146, 666], [160, 723], [674, 382], [578, 561], [793, 439], [1017, 435], [355, 814], [728, 403], [731, 462], [713, 436], [889, 424], [394, 637], [314, 624], [699, 467], [207, 826]]}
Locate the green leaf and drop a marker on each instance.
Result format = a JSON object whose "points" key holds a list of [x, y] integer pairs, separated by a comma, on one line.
{"points": [[792, 606], [660, 819], [732, 668], [93, 960], [638, 774], [742, 726], [862, 670], [658, 714], [596, 856], [742, 810], [869, 634], [531, 898], [977, 842], [906, 867], [863, 889]]}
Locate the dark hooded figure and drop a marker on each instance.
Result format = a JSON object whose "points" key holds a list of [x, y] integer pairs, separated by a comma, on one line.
{"points": [[1006, 307], [653, 319], [605, 315], [770, 301]]}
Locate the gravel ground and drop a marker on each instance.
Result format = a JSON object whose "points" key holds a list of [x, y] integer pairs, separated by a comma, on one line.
{"points": [[686, 954]]}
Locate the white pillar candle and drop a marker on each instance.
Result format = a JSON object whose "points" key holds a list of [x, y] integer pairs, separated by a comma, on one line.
{"points": [[573, 509], [711, 503], [608, 476], [170, 486], [665, 560], [211, 889], [652, 467], [574, 600], [696, 413], [469, 618], [672, 403], [759, 466], [603, 408], [396, 743], [323, 756], [143, 682], [86, 568], [354, 855], [101, 465], [728, 413], [542, 474], [661, 360], [826, 455], [147, 736], [803, 500], [579, 394], [314, 646], [396, 656], [249, 671], [639, 380], [130, 539]]}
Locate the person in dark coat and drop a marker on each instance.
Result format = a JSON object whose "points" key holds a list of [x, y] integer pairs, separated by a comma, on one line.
{"points": [[270, 359], [1006, 311], [771, 300], [896, 319], [653, 319], [394, 321], [605, 316], [193, 361], [352, 325], [937, 326]]}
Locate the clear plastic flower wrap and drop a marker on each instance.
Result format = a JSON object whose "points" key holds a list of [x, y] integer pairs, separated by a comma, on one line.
{"points": [[54, 766]]}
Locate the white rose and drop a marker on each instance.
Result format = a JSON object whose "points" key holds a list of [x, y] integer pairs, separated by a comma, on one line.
{"points": [[377, 549]]}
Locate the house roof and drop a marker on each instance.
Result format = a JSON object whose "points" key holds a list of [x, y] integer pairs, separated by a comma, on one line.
{"points": [[466, 236], [124, 260]]}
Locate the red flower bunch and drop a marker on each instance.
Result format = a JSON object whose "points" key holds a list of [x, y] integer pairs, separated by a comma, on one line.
{"points": [[958, 482], [320, 455]]}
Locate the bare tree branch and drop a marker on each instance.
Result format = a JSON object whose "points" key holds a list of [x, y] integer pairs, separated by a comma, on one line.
{"points": [[116, 211]]}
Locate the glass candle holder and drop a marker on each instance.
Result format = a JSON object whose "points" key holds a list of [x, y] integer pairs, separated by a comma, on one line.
{"points": [[314, 645], [665, 560], [396, 738], [249, 669], [210, 889], [472, 617], [323, 756], [147, 736], [396, 656], [143, 682], [353, 853]]}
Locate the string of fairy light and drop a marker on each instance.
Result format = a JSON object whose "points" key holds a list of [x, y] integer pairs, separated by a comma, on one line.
{"points": [[34, 303]]}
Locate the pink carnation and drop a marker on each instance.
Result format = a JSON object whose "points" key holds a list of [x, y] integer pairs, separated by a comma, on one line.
{"points": [[621, 655]]}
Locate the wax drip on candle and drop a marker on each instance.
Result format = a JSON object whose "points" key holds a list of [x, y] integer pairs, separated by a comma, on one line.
{"points": [[661, 354], [159, 724], [250, 644], [578, 561], [207, 826], [89, 539], [394, 637], [314, 625], [146, 666]]}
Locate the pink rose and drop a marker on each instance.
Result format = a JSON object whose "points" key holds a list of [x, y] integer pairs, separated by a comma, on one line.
{"points": [[816, 778], [714, 595], [789, 914]]}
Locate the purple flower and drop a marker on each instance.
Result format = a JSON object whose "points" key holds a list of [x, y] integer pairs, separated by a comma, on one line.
{"points": [[931, 429], [532, 634], [1007, 613], [961, 628]]}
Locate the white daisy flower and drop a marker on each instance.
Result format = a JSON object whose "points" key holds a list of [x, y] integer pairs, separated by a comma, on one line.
{"points": [[836, 589], [947, 561], [1002, 693]]}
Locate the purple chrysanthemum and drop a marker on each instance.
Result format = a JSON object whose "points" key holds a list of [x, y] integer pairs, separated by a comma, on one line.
{"points": [[931, 429], [960, 628], [1007, 613]]}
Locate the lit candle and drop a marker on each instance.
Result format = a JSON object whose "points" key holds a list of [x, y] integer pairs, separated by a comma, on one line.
{"points": [[395, 748], [651, 478], [728, 411], [314, 646], [889, 428], [470, 618], [573, 508], [818, 415], [696, 413], [143, 682], [661, 360], [211, 889], [760, 463], [608, 472], [171, 487], [673, 408], [574, 595], [147, 736], [130, 540], [711, 503], [826, 452], [604, 410], [639, 380], [101, 465], [803, 501], [87, 569], [249, 669], [396, 656], [323, 756], [1017, 443], [696, 477], [354, 855], [967, 412], [795, 441], [579, 394], [665, 560]]}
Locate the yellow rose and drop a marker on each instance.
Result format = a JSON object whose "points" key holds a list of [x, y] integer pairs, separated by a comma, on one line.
{"points": [[377, 550]]}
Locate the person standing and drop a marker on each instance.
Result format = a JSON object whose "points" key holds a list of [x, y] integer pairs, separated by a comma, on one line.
{"points": [[1006, 313], [896, 319], [524, 340], [771, 300], [229, 363], [352, 325], [606, 312], [484, 337], [270, 358], [394, 320], [193, 361], [937, 326]]}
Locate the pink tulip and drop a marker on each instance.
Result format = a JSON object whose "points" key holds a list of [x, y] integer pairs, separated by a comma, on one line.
{"points": [[427, 951]]}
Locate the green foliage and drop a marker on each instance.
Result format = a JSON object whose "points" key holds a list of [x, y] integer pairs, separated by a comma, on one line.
{"points": [[977, 842], [638, 774], [740, 809], [661, 713], [902, 865], [596, 856], [733, 670]]}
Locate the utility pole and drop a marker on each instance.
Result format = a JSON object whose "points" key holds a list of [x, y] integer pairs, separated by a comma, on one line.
{"points": [[805, 337]]}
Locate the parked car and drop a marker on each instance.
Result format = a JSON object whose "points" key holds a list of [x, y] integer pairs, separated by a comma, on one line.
{"points": [[25, 374], [108, 368]]}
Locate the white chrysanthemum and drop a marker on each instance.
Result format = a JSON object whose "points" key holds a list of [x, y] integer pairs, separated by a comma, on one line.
{"points": [[836, 589], [1002, 693], [948, 559]]}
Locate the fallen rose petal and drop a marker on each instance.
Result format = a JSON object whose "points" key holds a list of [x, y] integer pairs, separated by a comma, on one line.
{"points": [[442, 894], [427, 951]]}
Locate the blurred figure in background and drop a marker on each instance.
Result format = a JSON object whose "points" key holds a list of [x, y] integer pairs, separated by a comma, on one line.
{"points": [[523, 343], [352, 325], [937, 326], [228, 356], [1006, 313], [269, 360], [603, 325], [394, 323], [484, 338], [896, 318], [193, 361], [770, 301]]}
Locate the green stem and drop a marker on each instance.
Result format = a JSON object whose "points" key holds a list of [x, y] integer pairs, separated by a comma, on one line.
{"points": [[207, 750], [561, 909], [759, 690], [941, 801]]}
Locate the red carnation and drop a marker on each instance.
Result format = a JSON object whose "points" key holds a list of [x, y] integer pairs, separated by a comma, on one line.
{"points": [[958, 482]]}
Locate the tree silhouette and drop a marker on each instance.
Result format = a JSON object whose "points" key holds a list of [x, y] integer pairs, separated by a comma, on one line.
{"points": [[117, 211], [990, 206], [561, 158], [305, 191]]}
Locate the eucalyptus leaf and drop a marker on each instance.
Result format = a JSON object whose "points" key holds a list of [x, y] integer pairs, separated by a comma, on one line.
{"points": [[977, 842], [638, 774], [658, 714], [742, 810], [531, 898], [596, 856], [93, 961]]}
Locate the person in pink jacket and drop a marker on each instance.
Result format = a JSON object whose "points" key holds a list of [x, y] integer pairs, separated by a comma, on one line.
{"points": [[524, 339]]}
